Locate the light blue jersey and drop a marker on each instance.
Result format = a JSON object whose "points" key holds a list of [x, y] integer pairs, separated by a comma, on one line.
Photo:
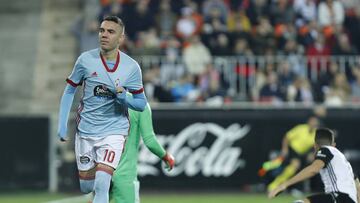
{"points": [[99, 112]]}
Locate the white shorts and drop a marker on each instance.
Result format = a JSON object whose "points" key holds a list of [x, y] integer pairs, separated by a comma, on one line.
{"points": [[92, 150]]}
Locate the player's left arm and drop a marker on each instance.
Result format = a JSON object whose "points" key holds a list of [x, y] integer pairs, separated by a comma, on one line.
{"points": [[137, 100], [304, 174], [322, 159], [150, 140]]}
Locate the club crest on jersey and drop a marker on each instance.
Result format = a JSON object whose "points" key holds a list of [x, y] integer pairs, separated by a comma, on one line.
{"points": [[117, 82], [94, 74], [103, 91], [84, 159]]}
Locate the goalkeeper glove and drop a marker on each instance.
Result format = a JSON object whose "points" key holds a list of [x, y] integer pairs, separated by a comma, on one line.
{"points": [[169, 161]]}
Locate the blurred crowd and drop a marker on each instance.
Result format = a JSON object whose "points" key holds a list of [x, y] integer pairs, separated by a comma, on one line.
{"points": [[189, 35]]}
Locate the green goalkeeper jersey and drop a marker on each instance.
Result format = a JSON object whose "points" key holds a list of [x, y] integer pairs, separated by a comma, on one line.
{"points": [[140, 126]]}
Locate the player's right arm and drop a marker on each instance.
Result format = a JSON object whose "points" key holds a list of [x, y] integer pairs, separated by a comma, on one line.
{"points": [[304, 174], [150, 140], [284, 147], [286, 141], [74, 80]]}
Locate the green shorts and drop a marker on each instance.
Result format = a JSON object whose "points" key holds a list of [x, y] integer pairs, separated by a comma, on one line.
{"points": [[125, 191]]}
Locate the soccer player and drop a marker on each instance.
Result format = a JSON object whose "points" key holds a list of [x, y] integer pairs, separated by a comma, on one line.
{"points": [[106, 74], [125, 183], [336, 173], [296, 146]]}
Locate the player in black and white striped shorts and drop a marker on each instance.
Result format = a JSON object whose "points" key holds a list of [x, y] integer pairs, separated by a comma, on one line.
{"points": [[341, 186]]}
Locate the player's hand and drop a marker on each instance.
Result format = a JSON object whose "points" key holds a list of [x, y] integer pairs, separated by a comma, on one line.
{"points": [[62, 134], [120, 90], [276, 191], [63, 139], [121, 94], [169, 161]]}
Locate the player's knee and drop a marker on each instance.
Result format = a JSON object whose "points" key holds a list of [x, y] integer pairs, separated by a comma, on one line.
{"points": [[295, 163]]}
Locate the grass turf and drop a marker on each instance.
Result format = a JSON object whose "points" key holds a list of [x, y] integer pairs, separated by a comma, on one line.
{"points": [[37, 197]]}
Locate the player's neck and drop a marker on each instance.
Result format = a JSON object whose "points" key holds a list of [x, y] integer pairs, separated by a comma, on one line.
{"points": [[109, 55]]}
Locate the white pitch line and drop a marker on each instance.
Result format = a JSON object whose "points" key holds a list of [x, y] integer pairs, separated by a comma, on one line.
{"points": [[77, 199]]}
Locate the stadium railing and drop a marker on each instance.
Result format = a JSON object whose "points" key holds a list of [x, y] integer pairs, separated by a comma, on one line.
{"points": [[240, 71]]}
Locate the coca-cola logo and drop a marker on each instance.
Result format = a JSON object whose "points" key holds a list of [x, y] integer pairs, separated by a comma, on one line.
{"points": [[195, 157]]}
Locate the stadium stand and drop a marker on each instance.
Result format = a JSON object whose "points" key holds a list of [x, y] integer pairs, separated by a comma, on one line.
{"points": [[228, 51]]}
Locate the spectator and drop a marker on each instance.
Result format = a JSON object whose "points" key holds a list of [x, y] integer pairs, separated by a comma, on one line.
{"points": [[256, 10], [343, 48], [294, 53], [147, 43], [281, 12], [196, 56], [355, 86], [184, 90], [263, 36], [300, 91], [271, 91], [238, 20], [242, 48], [318, 54], [331, 13], [139, 18], [285, 74], [215, 9], [152, 85], [166, 19], [305, 10], [339, 91], [189, 24], [171, 68], [222, 46], [209, 83]]}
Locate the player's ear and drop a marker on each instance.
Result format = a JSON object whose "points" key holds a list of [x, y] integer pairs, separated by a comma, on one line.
{"points": [[121, 39], [334, 144]]}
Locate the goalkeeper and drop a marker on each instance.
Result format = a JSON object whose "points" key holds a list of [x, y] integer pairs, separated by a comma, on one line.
{"points": [[296, 146], [125, 183]]}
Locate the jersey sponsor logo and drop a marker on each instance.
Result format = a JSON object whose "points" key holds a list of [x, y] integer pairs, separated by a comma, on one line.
{"points": [[84, 159], [103, 91], [321, 155]]}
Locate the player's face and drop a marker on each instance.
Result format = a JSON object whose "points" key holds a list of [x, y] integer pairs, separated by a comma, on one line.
{"points": [[110, 35], [313, 123]]}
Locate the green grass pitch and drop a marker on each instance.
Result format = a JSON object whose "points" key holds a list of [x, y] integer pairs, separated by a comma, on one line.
{"points": [[38, 197]]}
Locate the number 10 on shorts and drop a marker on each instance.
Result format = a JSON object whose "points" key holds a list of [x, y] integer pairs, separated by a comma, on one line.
{"points": [[109, 156]]}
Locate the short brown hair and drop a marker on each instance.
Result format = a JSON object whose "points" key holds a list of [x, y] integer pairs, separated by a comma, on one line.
{"points": [[324, 136], [116, 20]]}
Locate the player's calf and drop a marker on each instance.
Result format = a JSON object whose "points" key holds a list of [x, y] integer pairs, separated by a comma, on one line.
{"points": [[102, 183]]}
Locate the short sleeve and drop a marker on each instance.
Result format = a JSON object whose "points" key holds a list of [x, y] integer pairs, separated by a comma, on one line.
{"points": [[77, 74], [291, 134], [325, 155], [134, 82]]}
